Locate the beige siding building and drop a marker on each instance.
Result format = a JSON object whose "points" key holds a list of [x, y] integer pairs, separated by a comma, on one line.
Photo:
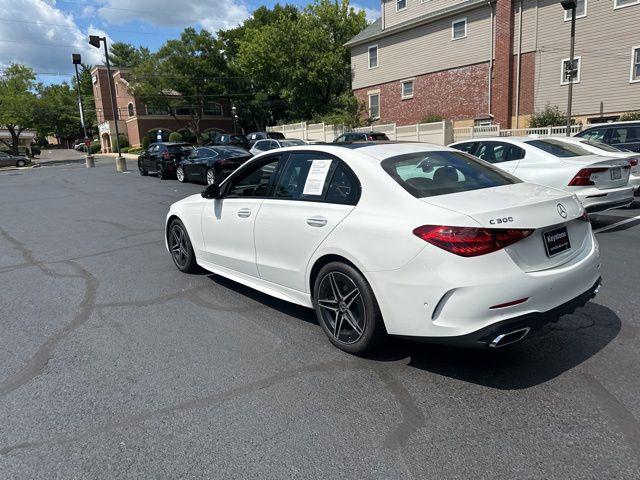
{"points": [[500, 60]]}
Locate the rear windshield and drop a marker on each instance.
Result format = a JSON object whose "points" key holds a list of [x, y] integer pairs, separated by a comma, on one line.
{"points": [[276, 135], [602, 146], [292, 143], [559, 148], [232, 151], [428, 174], [180, 148]]}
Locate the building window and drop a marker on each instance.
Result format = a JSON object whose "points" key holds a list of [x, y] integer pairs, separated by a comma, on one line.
{"points": [[459, 29], [130, 108], [581, 11], [570, 72], [214, 109], [374, 105], [373, 56], [625, 3], [401, 5], [407, 89], [635, 64]]}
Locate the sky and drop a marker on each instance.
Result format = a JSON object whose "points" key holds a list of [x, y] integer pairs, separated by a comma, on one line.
{"points": [[44, 33]]}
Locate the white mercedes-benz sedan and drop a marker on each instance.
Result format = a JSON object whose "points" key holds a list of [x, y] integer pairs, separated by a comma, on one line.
{"points": [[401, 239], [601, 183]]}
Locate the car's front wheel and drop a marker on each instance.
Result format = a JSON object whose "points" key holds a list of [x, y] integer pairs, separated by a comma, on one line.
{"points": [[141, 169], [181, 248], [347, 309], [160, 171], [211, 176], [21, 163], [180, 174]]}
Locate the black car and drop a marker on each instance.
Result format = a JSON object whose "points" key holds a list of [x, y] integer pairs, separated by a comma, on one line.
{"points": [[361, 137], [253, 137], [163, 158], [211, 164], [623, 135], [231, 139]]}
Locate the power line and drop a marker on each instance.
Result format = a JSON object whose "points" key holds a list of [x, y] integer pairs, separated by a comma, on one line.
{"points": [[69, 27]]}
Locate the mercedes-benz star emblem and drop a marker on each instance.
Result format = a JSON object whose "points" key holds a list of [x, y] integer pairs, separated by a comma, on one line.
{"points": [[562, 211]]}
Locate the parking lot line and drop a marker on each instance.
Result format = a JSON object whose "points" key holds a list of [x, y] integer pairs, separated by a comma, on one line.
{"points": [[617, 224]]}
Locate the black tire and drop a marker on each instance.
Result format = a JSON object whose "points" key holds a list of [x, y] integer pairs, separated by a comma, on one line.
{"points": [[21, 163], [180, 174], [141, 169], [180, 247], [352, 321], [210, 176], [160, 171]]}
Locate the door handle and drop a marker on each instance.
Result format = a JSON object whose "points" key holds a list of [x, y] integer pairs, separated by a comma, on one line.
{"points": [[244, 212], [316, 221]]}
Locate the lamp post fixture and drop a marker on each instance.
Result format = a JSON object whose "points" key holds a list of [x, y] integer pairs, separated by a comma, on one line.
{"points": [[94, 40], [570, 71], [235, 118], [77, 60]]}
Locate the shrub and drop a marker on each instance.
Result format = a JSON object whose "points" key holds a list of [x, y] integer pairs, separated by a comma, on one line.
{"points": [[175, 137], [551, 116], [629, 116], [95, 147], [432, 118], [145, 142], [136, 150], [123, 141]]}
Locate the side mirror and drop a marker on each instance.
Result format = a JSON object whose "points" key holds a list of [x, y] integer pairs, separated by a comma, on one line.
{"points": [[212, 191]]}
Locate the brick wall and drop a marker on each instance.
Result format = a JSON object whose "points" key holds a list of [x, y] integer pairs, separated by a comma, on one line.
{"points": [[454, 94], [527, 82]]}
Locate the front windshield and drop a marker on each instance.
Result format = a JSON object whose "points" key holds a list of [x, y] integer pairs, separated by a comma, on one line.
{"points": [[558, 148]]}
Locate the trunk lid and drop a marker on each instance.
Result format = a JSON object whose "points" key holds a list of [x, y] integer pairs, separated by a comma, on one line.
{"points": [[528, 206], [607, 172]]}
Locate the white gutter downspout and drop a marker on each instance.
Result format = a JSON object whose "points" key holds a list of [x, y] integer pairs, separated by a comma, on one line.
{"points": [[382, 13], [518, 67], [491, 59]]}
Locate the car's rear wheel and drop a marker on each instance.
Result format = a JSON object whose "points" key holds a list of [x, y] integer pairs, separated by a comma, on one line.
{"points": [[180, 174], [21, 163], [141, 169], [180, 248], [211, 176], [347, 309], [160, 171]]}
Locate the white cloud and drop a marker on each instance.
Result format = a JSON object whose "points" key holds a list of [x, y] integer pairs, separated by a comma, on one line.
{"points": [[211, 14], [372, 13], [42, 37]]}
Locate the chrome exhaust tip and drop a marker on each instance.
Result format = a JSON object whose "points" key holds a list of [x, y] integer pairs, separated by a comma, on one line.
{"points": [[505, 339]]}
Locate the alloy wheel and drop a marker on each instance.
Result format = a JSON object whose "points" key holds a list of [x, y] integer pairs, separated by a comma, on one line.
{"points": [[178, 245], [342, 307], [180, 174], [211, 177]]}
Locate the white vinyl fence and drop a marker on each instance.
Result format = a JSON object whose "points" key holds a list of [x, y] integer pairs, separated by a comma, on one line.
{"points": [[439, 133]]}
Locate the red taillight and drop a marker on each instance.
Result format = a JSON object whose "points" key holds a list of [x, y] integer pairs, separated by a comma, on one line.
{"points": [[470, 241], [510, 304], [583, 177], [633, 162]]}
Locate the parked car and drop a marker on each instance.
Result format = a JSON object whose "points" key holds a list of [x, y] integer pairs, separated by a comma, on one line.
{"points": [[605, 150], [163, 158], [270, 144], [624, 135], [231, 139], [8, 160], [351, 137], [253, 137], [601, 183], [351, 230], [211, 164]]}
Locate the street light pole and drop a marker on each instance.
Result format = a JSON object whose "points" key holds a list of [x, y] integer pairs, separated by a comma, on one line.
{"points": [[94, 40], [570, 5], [77, 60]]}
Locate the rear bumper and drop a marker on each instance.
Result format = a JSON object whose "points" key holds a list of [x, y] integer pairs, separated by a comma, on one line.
{"points": [[485, 337], [595, 200]]}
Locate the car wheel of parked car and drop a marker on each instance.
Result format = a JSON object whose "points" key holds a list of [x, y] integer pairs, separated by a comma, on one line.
{"points": [[142, 170], [180, 174], [181, 249], [21, 163], [160, 171], [347, 309], [211, 176]]}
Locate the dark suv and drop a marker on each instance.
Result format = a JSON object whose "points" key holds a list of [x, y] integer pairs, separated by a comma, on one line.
{"points": [[623, 135], [231, 139], [361, 137], [163, 158], [253, 137]]}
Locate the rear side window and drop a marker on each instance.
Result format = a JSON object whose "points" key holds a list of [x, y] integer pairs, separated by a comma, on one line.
{"points": [[593, 134], [428, 174], [465, 147], [625, 135], [344, 188], [558, 148], [498, 152]]}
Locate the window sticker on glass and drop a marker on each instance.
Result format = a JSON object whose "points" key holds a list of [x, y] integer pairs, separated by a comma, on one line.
{"points": [[316, 177]]}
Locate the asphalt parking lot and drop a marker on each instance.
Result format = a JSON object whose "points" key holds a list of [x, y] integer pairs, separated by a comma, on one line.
{"points": [[113, 364]]}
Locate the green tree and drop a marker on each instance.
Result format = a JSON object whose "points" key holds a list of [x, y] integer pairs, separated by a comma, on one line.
{"points": [[184, 78], [17, 102], [125, 55], [625, 117], [57, 113], [88, 102]]}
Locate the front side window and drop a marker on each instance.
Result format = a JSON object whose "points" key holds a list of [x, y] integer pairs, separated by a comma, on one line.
{"points": [[254, 181], [621, 135], [581, 10], [459, 29], [570, 72], [407, 89], [558, 148], [401, 5], [596, 134], [373, 56], [374, 105], [305, 177], [635, 64], [260, 146], [428, 174]]}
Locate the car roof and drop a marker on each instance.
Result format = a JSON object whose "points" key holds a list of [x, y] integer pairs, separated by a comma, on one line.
{"points": [[611, 124], [373, 150], [173, 144]]}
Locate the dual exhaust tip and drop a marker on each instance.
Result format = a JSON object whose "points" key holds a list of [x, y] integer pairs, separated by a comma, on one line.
{"points": [[508, 338]]}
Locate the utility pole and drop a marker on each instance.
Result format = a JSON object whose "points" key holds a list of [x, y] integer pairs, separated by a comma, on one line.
{"points": [[77, 60], [571, 70], [94, 40]]}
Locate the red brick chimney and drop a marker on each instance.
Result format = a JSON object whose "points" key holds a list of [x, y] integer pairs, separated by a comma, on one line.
{"points": [[502, 70]]}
